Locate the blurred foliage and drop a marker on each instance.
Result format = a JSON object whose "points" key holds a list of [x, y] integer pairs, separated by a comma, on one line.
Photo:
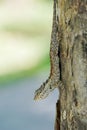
{"points": [[33, 28], [27, 29], [1, 1], [44, 64], [45, 1]]}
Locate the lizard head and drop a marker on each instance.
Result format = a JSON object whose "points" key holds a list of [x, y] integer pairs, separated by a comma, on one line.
{"points": [[42, 92]]}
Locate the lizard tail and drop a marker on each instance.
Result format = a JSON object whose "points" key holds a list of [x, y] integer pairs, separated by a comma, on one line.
{"points": [[45, 89]]}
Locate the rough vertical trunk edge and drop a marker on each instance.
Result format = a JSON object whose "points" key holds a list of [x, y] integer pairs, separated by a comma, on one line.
{"points": [[73, 63]]}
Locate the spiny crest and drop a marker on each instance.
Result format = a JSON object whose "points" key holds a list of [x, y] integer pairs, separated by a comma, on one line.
{"points": [[54, 79]]}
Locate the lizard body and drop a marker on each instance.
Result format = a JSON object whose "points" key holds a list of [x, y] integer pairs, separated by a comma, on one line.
{"points": [[53, 80]]}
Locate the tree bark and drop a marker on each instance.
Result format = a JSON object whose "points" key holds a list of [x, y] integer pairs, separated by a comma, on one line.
{"points": [[72, 104]]}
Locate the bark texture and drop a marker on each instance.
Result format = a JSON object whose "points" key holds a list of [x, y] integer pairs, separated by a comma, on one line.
{"points": [[72, 111]]}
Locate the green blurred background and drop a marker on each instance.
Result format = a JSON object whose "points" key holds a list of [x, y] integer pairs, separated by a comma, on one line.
{"points": [[25, 29]]}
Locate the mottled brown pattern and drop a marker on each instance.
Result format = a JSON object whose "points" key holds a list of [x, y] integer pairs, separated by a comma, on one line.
{"points": [[53, 80]]}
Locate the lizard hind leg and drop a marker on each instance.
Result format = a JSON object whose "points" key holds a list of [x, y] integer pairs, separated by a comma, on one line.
{"points": [[44, 90]]}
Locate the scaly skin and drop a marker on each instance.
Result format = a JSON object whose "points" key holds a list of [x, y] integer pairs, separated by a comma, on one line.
{"points": [[53, 80]]}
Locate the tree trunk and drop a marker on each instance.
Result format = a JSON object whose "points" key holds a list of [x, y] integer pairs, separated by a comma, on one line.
{"points": [[72, 104]]}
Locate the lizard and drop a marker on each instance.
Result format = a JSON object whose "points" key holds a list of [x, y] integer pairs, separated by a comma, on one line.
{"points": [[53, 80]]}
